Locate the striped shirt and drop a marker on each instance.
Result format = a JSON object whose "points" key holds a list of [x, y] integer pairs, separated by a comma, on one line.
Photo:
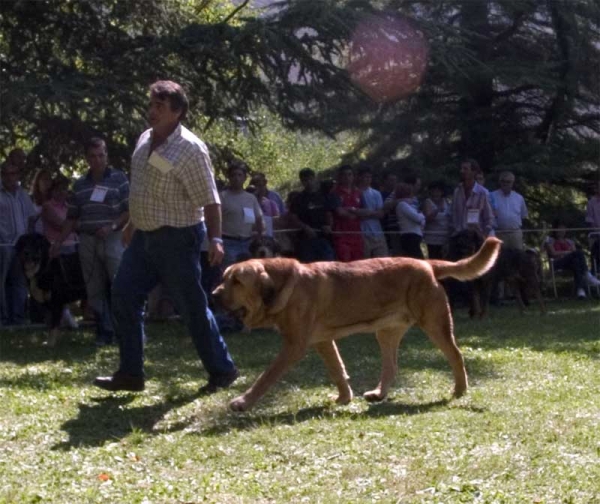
{"points": [[171, 185], [477, 201], [15, 210], [98, 204]]}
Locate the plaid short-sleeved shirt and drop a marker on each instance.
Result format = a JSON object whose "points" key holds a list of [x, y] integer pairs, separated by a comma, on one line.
{"points": [[171, 185]]}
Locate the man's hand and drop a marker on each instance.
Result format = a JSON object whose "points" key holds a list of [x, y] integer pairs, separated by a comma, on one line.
{"points": [[104, 231], [215, 253], [127, 234]]}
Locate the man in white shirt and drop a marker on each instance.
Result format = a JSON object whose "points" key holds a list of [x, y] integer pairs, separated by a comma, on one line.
{"points": [[242, 216], [173, 203], [510, 211]]}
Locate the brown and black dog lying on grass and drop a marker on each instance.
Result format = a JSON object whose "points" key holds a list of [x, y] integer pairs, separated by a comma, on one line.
{"points": [[315, 304], [519, 269]]}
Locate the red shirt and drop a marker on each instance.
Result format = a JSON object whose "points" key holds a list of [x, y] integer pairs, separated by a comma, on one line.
{"points": [[348, 198]]}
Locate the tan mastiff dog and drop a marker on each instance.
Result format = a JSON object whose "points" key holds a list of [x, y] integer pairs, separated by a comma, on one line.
{"points": [[315, 304]]}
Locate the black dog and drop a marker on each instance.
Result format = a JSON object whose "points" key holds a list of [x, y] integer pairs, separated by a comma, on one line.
{"points": [[264, 247], [52, 282], [519, 269]]}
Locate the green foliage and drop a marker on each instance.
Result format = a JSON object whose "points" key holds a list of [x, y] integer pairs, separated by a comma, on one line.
{"points": [[271, 148], [527, 431], [511, 83]]}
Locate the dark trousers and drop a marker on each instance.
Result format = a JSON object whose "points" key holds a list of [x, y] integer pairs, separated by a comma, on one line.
{"points": [[575, 262], [314, 249], [411, 245], [170, 256], [435, 251]]}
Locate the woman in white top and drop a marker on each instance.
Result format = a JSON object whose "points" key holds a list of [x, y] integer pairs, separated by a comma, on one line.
{"points": [[437, 221], [410, 222]]}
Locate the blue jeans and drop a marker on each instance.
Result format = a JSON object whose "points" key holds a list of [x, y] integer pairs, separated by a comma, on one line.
{"points": [[170, 256], [235, 250]]}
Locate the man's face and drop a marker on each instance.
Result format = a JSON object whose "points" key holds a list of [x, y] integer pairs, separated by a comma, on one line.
{"points": [[365, 179], [506, 184], [346, 178], [390, 182], [260, 183], [237, 179], [466, 172], [18, 158], [97, 158], [309, 182], [10, 177], [160, 115]]}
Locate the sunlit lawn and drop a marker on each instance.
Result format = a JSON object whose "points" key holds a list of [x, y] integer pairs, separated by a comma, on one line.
{"points": [[528, 430]]}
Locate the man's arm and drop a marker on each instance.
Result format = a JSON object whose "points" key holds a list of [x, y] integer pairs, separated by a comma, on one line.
{"points": [[212, 217]]}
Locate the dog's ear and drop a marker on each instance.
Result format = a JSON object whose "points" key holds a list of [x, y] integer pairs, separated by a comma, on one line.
{"points": [[267, 289], [285, 277]]}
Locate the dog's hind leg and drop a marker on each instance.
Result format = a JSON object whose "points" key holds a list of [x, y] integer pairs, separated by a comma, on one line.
{"points": [[337, 371], [389, 340], [440, 331]]}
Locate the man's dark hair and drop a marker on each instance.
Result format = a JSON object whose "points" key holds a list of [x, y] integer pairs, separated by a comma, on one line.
{"points": [[473, 164], [237, 165], [59, 181], [410, 178], [94, 143], [344, 168], [174, 93], [305, 173], [364, 169], [438, 184]]}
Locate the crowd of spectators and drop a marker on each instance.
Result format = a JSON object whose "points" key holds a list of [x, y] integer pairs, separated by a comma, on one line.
{"points": [[351, 217]]}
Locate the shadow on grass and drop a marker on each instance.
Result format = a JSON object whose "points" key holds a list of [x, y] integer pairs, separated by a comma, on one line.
{"points": [[110, 419], [248, 421]]}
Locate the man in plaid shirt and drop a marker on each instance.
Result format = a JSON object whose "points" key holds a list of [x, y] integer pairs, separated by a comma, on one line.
{"points": [[173, 203]]}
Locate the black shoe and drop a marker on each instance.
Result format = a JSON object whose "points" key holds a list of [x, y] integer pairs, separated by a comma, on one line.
{"points": [[120, 381], [216, 382]]}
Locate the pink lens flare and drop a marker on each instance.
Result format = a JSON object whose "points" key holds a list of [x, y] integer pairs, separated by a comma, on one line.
{"points": [[388, 57]]}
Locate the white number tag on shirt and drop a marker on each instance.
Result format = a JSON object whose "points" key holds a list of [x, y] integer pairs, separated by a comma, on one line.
{"points": [[473, 216], [99, 194], [160, 163], [249, 217]]}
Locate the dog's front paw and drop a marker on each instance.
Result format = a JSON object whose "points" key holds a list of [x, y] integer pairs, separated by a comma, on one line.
{"points": [[240, 404], [342, 398], [374, 395]]}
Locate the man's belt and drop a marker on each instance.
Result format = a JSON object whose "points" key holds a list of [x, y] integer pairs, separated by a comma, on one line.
{"points": [[236, 238]]}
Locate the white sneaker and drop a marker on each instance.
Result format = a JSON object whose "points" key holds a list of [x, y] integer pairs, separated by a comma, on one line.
{"points": [[592, 280], [67, 320], [581, 293]]}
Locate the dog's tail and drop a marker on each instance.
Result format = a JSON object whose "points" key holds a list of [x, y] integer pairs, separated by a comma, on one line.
{"points": [[470, 267]]}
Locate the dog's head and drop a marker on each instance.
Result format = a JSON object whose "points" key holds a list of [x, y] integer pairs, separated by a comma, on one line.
{"points": [[32, 250], [264, 247], [258, 289]]}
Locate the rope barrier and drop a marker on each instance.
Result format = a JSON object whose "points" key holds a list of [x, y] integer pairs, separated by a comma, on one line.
{"points": [[591, 231]]}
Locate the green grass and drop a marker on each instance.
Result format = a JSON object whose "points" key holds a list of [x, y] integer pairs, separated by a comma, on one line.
{"points": [[527, 432]]}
